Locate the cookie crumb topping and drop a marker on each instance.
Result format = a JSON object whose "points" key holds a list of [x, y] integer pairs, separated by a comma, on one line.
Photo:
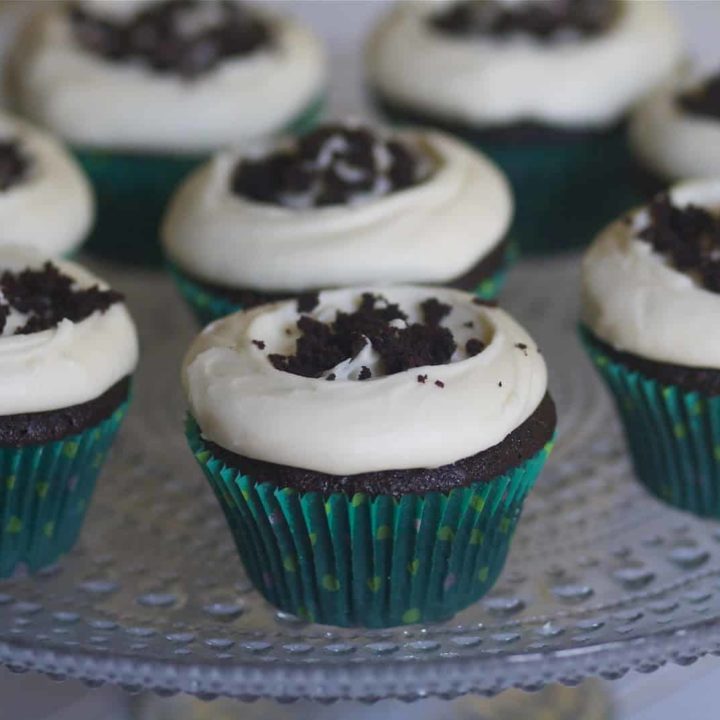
{"points": [[689, 237], [38, 300], [186, 37], [704, 99], [376, 327], [544, 20], [14, 164], [336, 164]]}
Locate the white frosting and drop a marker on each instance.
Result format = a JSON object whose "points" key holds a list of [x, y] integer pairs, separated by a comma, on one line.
{"points": [[432, 232], [69, 364], [94, 102], [588, 82], [634, 300], [673, 143], [245, 405], [52, 207]]}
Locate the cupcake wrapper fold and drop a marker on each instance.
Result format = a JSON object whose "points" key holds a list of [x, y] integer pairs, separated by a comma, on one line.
{"points": [[133, 190], [673, 435], [44, 493], [208, 306], [370, 561]]}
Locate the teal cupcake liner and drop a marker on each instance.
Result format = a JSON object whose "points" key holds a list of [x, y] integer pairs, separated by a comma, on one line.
{"points": [[208, 306], [45, 491], [566, 188], [369, 560], [133, 190], [673, 435]]}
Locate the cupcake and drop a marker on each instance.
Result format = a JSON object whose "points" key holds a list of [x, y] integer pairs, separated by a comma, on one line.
{"points": [[68, 348], [145, 90], [371, 448], [347, 204], [675, 133], [542, 86], [651, 298], [45, 200]]}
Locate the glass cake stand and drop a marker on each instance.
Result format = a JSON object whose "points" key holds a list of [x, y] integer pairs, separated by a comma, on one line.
{"points": [[601, 578]]}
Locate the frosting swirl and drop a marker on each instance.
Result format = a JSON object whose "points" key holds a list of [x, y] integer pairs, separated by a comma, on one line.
{"points": [[432, 232], [48, 361], [492, 80], [637, 301], [45, 200], [55, 80], [675, 132], [418, 416]]}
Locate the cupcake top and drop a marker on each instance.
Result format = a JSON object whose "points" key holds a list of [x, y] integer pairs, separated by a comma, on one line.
{"points": [[651, 281], [676, 131], [345, 205], [45, 200], [65, 337], [361, 380], [566, 63], [161, 75]]}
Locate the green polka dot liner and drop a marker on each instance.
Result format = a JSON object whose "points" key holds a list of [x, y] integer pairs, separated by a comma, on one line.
{"points": [[45, 491], [133, 189], [370, 561], [208, 306], [673, 435]]}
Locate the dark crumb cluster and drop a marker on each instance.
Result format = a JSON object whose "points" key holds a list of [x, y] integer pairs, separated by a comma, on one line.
{"points": [[47, 296], [688, 236], [333, 165], [543, 19], [401, 345], [14, 164], [703, 100], [187, 37]]}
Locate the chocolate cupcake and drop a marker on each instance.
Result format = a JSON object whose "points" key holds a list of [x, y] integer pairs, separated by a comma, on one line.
{"points": [[344, 205], [675, 133], [651, 298], [145, 90], [45, 200], [371, 449], [543, 86], [69, 348]]}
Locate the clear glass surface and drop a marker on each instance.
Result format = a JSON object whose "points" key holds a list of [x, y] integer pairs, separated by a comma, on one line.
{"points": [[601, 578]]}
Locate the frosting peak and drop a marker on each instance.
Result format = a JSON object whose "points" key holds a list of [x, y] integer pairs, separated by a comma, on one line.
{"points": [[402, 415]]}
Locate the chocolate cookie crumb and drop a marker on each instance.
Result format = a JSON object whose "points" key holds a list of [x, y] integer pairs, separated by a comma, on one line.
{"points": [[440, 383], [523, 347], [47, 296], [307, 302], [321, 346], [185, 37], [434, 311], [14, 164], [336, 164], [544, 21], [703, 100], [689, 237], [422, 379], [474, 347], [259, 343], [365, 373], [331, 376]]}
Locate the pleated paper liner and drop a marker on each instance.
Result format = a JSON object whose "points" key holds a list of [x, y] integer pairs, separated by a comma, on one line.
{"points": [[45, 491], [133, 190], [208, 306], [673, 435], [370, 561]]}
